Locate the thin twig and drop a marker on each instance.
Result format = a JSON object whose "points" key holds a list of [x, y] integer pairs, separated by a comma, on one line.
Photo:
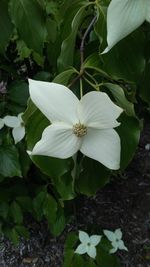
{"points": [[82, 47]]}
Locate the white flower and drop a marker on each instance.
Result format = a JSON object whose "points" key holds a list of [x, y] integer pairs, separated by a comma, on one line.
{"points": [[123, 17], [1, 123], [17, 124], [88, 244], [85, 125], [116, 240]]}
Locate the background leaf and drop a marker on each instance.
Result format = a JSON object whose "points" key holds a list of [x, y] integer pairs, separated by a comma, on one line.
{"points": [[29, 19]]}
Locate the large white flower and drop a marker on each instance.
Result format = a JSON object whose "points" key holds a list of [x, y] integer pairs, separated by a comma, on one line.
{"points": [[88, 244], [116, 240], [17, 124], [85, 125], [123, 17]]}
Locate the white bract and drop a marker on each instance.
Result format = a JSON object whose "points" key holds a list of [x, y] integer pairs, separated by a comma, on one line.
{"points": [[17, 124], [123, 17], [116, 240], [88, 244], [85, 125]]}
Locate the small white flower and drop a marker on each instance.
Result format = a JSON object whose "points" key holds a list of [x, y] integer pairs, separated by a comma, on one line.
{"points": [[123, 17], [17, 124], [1, 123], [88, 244], [85, 125], [116, 240]]}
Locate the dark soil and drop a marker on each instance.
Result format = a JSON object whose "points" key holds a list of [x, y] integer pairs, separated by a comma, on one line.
{"points": [[124, 203]]}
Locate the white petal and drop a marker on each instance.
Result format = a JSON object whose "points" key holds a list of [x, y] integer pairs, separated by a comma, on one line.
{"points": [[55, 101], [97, 110], [118, 233], [147, 6], [123, 17], [20, 117], [11, 121], [81, 249], [121, 245], [103, 146], [1, 123], [57, 141], [91, 251], [113, 250], [110, 235], [84, 237], [18, 133], [95, 239]]}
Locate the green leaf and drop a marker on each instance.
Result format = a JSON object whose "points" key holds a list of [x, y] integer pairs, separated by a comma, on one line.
{"points": [[93, 62], [100, 25], [23, 50], [58, 226], [50, 209], [144, 88], [5, 26], [51, 26], [4, 208], [18, 92], [12, 234], [66, 57], [25, 202], [78, 261], [9, 163], [22, 231], [119, 95], [29, 19], [126, 60], [104, 258], [93, 176], [36, 118], [16, 212], [129, 131], [65, 76], [43, 76], [38, 204], [69, 249]]}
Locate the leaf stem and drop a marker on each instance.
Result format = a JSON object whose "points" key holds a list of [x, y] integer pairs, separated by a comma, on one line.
{"points": [[81, 88]]}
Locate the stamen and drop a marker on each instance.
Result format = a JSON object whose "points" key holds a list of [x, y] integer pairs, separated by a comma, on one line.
{"points": [[79, 129]]}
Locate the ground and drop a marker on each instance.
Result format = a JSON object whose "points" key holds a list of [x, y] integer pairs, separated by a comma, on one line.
{"points": [[124, 203]]}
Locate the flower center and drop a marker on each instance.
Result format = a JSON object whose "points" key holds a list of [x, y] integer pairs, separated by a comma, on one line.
{"points": [[79, 129]]}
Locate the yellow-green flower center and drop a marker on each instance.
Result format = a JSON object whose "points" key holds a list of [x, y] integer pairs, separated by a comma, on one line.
{"points": [[79, 129]]}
